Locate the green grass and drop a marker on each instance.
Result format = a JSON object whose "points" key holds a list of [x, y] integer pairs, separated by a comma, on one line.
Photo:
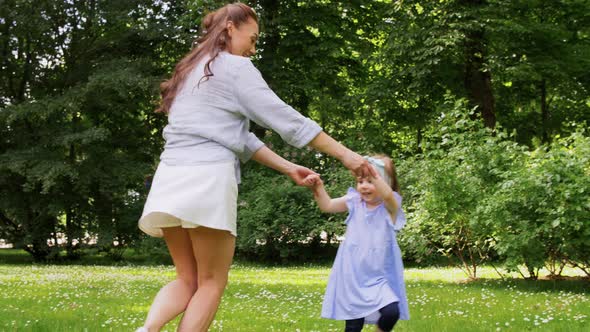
{"points": [[258, 298]]}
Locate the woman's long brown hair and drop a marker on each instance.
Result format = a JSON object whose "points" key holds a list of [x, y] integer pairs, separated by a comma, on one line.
{"points": [[214, 39]]}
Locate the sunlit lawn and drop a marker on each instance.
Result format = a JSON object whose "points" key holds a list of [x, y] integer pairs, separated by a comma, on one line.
{"points": [[108, 298]]}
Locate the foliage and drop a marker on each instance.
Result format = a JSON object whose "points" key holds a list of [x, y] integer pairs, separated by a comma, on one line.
{"points": [[541, 59], [277, 219], [541, 207], [535, 53], [75, 145], [476, 194], [78, 83], [447, 184]]}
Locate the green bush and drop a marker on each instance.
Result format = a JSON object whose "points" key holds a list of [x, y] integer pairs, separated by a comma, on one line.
{"points": [[474, 195], [447, 184], [541, 208], [279, 221]]}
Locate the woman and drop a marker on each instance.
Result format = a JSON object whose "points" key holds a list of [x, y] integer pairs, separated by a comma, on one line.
{"points": [[213, 93]]}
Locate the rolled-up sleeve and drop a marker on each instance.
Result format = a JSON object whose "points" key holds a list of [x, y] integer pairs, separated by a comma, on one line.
{"points": [[251, 145], [261, 105]]}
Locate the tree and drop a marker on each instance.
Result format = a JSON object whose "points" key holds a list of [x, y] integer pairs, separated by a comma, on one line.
{"points": [[541, 59], [77, 118], [313, 55], [433, 49]]}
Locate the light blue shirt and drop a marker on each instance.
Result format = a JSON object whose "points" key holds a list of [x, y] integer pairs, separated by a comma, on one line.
{"points": [[210, 122]]}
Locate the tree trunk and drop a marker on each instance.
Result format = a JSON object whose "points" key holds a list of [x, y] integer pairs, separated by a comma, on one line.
{"points": [[419, 140], [544, 113], [478, 81], [71, 224], [6, 65], [69, 235], [26, 76]]}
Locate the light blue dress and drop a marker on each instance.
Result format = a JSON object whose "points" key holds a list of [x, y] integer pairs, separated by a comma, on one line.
{"points": [[368, 270]]}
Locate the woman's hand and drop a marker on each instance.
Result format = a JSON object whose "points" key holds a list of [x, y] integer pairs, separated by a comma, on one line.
{"points": [[358, 165], [299, 173], [351, 160], [268, 158]]}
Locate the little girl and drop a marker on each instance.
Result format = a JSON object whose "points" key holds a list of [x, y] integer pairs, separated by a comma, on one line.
{"points": [[366, 284]]}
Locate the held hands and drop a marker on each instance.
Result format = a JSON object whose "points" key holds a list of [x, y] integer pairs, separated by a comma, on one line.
{"points": [[300, 173], [313, 181], [374, 174], [325, 202], [358, 165]]}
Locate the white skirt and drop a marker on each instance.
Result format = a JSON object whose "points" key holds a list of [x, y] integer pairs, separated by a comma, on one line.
{"points": [[191, 196]]}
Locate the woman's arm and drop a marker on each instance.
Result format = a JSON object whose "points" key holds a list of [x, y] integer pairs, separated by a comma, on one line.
{"points": [[261, 105], [350, 159], [268, 158]]}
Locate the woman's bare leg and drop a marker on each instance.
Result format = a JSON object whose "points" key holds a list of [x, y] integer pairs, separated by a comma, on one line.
{"points": [[214, 251], [173, 298]]}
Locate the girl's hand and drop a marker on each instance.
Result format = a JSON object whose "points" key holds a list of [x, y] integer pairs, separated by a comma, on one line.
{"points": [[375, 173], [299, 173], [312, 181], [358, 165]]}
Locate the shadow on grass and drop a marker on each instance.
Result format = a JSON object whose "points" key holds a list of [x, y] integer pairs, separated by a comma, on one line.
{"points": [[21, 257], [15, 257], [130, 257], [575, 285]]}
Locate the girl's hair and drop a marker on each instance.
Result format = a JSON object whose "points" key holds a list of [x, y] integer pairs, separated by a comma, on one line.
{"points": [[214, 39], [390, 169]]}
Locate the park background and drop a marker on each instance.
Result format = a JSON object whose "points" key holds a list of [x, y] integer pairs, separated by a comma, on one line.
{"points": [[483, 104]]}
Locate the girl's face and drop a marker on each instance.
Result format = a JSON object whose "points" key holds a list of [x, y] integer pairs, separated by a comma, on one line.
{"points": [[243, 40], [367, 190]]}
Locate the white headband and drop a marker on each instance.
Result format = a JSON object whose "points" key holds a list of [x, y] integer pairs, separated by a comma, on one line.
{"points": [[380, 166]]}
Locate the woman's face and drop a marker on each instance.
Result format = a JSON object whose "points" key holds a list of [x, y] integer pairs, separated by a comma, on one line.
{"points": [[243, 40]]}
